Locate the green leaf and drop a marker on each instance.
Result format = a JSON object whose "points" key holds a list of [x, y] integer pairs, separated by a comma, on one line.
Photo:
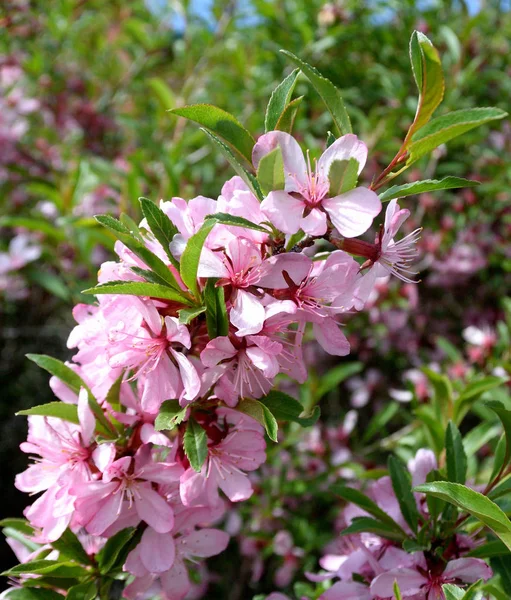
{"points": [[287, 119], [427, 71], [330, 95], [233, 221], [33, 594], [426, 185], [426, 414], [150, 276], [473, 502], [261, 413], [473, 391], [191, 256], [452, 592], [114, 549], [171, 414], [501, 566], [162, 227], [501, 456], [356, 497], [279, 100], [195, 444], [163, 93], [369, 525], [82, 591], [247, 177], [397, 591], [380, 419], [59, 410], [69, 546], [217, 320], [139, 288], [220, 123], [343, 176], [270, 172], [34, 225], [335, 376], [443, 391], [149, 258], [435, 505], [60, 370], [489, 550], [49, 281], [285, 408], [455, 455], [402, 486], [505, 417], [186, 315], [447, 127], [55, 568], [21, 525]]}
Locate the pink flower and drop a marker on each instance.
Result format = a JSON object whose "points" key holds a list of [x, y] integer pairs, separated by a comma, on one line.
{"points": [[162, 556], [152, 350], [236, 444], [65, 450], [126, 487], [305, 202], [248, 368], [426, 582], [391, 258], [22, 250], [240, 268]]}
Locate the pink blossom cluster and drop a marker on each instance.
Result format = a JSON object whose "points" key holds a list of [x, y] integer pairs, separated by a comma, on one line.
{"points": [[103, 472], [367, 565]]}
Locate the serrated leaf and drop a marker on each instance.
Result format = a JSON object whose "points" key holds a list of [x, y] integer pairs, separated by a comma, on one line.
{"points": [[279, 100], [473, 502], [285, 408], [247, 177], [426, 185], [369, 525], [455, 455], [447, 127], [358, 498], [261, 413], [287, 118], [402, 486], [139, 288], [191, 256], [186, 315], [161, 226], [217, 320], [270, 172], [427, 71], [195, 442], [330, 95], [149, 276], [107, 557], [233, 221], [222, 124], [343, 176], [149, 258], [59, 410], [170, 415]]}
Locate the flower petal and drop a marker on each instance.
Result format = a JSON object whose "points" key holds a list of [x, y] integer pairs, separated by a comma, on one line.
{"points": [[352, 213], [284, 211]]}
